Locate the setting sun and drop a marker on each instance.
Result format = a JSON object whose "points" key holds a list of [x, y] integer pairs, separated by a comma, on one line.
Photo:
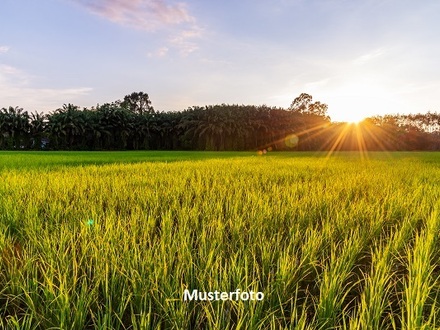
{"points": [[348, 114], [353, 118], [361, 94]]}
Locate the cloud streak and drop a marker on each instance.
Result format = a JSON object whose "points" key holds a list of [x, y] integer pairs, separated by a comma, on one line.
{"points": [[152, 16], [147, 15], [369, 56], [4, 49], [184, 41], [15, 84]]}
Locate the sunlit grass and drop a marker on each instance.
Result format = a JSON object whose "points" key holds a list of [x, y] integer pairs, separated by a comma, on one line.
{"points": [[333, 242]]}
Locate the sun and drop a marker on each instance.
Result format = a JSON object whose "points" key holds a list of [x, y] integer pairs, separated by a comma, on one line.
{"points": [[350, 117], [346, 110], [358, 101], [356, 121]]}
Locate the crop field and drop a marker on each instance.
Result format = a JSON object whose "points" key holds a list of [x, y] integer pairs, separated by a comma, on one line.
{"points": [[112, 240]]}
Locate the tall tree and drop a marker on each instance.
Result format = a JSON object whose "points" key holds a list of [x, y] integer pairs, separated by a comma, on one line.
{"points": [[304, 104], [14, 127], [66, 127], [138, 103], [37, 130], [301, 103]]}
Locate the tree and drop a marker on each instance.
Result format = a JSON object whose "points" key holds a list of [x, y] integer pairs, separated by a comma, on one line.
{"points": [[14, 128], [318, 109], [301, 103], [37, 130], [138, 103], [304, 104], [66, 127]]}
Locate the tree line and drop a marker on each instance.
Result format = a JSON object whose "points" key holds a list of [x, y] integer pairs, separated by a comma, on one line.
{"points": [[133, 124]]}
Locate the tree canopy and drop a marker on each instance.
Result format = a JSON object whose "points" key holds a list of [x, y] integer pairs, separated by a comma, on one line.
{"points": [[137, 102], [133, 124]]}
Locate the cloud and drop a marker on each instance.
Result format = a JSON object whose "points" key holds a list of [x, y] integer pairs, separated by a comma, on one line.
{"points": [[369, 56], [40, 99], [152, 16], [11, 74], [184, 40], [148, 15], [4, 49], [16, 90], [316, 85], [161, 52]]}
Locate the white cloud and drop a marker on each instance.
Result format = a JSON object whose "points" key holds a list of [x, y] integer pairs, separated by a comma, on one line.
{"points": [[369, 56], [13, 75], [161, 52], [316, 85], [16, 90], [40, 99], [4, 49], [184, 40]]}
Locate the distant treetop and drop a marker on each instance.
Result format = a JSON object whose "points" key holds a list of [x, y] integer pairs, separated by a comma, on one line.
{"points": [[138, 102]]}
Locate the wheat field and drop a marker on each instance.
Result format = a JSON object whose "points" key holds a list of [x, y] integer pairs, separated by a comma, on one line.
{"points": [[112, 240]]}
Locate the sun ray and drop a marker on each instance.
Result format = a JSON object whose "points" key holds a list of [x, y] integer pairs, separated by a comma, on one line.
{"points": [[363, 137], [378, 134], [360, 141], [299, 134], [339, 140]]}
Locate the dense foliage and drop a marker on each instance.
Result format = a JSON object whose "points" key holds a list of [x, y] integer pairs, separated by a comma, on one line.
{"points": [[133, 124]]}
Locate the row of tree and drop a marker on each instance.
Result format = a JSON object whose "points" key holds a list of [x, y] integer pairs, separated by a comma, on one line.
{"points": [[133, 124]]}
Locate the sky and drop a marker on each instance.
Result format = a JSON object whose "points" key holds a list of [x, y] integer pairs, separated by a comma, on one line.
{"points": [[360, 57]]}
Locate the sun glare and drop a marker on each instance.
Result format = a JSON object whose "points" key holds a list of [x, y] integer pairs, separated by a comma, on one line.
{"points": [[358, 102], [352, 118], [355, 121]]}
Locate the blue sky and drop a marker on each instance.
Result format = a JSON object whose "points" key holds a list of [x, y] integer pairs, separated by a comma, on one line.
{"points": [[360, 57]]}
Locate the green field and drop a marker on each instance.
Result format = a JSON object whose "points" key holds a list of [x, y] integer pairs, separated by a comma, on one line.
{"points": [[111, 240]]}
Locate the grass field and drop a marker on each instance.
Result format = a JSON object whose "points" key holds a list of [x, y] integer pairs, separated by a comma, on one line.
{"points": [[111, 240]]}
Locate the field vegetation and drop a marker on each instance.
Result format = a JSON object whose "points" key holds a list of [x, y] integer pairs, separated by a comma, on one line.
{"points": [[111, 240]]}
